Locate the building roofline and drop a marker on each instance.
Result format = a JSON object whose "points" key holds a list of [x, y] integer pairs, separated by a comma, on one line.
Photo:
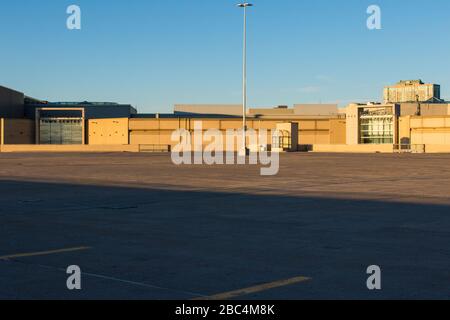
{"points": [[9, 89]]}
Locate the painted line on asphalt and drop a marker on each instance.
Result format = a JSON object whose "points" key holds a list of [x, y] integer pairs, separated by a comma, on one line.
{"points": [[43, 253], [114, 279], [141, 284], [256, 289]]}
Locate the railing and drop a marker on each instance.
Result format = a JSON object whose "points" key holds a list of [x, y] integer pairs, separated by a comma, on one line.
{"points": [[409, 148], [154, 148], [282, 140], [283, 143]]}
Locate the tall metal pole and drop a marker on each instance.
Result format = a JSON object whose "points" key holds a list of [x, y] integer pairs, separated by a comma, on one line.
{"points": [[244, 79], [244, 85]]}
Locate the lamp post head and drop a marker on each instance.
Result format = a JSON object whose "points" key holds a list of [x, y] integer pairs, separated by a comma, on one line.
{"points": [[245, 5]]}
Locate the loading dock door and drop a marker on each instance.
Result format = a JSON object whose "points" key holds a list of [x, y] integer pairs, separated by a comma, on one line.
{"points": [[61, 131]]}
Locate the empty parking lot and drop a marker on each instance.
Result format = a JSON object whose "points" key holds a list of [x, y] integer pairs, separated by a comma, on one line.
{"points": [[140, 227]]}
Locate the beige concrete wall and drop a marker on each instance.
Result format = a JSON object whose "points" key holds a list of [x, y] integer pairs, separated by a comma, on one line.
{"points": [[361, 148], [434, 109], [404, 130], [158, 131], [157, 137], [436, 148], [313, 131], [352, 125], [316, 109], [68, 148], [409, 109], [338, 131], [17, 131], [270, 112], [431, 136], [108, 131], [426, 109], [430, 130]]}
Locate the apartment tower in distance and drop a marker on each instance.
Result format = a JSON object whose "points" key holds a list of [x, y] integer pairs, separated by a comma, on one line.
{"points": [[412, 91]]}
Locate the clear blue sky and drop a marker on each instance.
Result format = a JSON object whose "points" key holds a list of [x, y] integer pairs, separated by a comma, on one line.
{"points": [[154, 54]]}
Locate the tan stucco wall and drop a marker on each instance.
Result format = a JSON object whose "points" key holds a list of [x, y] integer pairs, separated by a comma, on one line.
{"points": [[434, 109], [17, 131], [430, 130], [108, 131], [159, 131], [361, 148], [338, 131], [352, 125], [276, 111], [68, 148], [437, 148], [404, 130], [316, 109]]}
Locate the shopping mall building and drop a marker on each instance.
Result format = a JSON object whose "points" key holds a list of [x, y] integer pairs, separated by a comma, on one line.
{"points": [[412, 118]]}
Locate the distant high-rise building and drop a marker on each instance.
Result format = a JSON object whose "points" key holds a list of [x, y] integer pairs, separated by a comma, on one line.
{"points": [[412, 91]]}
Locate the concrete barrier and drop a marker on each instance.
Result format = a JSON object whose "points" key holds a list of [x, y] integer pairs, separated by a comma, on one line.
{"points": [[340, 148], [360, 148], [69, 148], [437, 148]]}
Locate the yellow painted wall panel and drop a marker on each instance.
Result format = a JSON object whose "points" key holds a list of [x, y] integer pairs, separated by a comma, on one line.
{"points": [[416, 138], [108, 131], [338, 131], [323, 124], [307, 125], [144, 137], [359, 148], [437, 148], [231, 124], [322, 138], [307, 137], [69, 148], [416, 122], [184, 124], [430, 137], [165, 138], [169, 124], [433, 122], [266, 124], [211, 124], [404, 130], [144, 124]]}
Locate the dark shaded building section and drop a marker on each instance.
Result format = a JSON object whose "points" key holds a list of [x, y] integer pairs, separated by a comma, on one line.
{"points": [[26, 120], [11, 103], [15, 105], [93, 110]]}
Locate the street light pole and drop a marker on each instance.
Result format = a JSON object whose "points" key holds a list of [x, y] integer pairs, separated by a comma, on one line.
{"points": [[244, 78]]}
